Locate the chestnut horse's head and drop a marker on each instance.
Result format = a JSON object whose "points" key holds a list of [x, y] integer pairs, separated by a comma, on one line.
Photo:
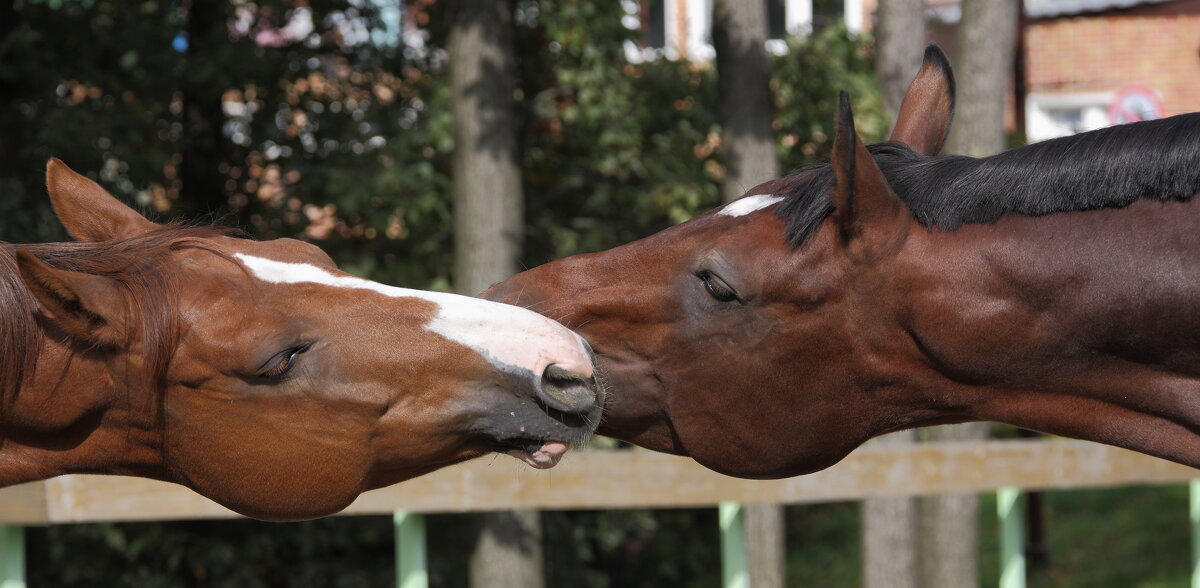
{"points": [[279, 385], [722, 341]]}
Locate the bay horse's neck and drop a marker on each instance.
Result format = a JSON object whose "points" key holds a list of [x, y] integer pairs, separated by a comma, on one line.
{"points": [[1083, 324], [69, 415]]}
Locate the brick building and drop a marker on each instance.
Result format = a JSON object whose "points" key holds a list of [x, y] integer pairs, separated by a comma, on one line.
{"points": [[1091, 63], [1091, 68]]}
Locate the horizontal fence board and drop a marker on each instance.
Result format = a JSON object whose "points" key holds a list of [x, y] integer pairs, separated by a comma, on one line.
{"points": [[639, 479], [24, 504]]}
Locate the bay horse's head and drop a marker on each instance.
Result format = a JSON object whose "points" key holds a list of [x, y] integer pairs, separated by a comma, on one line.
{"points": [[723, 341], [265, 378]]}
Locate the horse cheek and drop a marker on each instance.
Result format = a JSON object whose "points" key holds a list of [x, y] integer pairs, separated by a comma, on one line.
{"points": [[264, 460]]}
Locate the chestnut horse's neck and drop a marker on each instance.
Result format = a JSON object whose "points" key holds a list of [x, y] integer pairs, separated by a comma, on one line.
{"points": [[76, 413], [68, 406], [1082, 324]]}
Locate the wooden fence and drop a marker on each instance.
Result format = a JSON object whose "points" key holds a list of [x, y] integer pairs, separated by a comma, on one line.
{"points": [[634, 479]]}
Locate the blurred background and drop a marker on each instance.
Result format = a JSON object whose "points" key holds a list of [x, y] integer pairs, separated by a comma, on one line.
{"points": [[382, 129]]}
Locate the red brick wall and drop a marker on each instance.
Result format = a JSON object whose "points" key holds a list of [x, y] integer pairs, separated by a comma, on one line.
{"points": [[1157, 47]]}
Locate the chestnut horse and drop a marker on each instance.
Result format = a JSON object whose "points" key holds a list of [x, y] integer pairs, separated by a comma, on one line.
{"points": [[257, 373], [1054, 287]]}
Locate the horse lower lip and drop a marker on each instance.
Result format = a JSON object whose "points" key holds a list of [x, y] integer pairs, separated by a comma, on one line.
{"points": [[545, 456]]}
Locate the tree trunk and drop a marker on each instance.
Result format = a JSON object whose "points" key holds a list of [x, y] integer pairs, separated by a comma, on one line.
{"points": [[1037, 550], [950, 523], [488, 217], [899, 45], [748, 151], [766, 545], [488, 202], [744, 95], [889, 534], [889, 525], [508, 551], [987, 36], [986, 45]]}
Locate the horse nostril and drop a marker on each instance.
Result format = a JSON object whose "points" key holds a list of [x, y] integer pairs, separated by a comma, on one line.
{"points": [[562, 390]]}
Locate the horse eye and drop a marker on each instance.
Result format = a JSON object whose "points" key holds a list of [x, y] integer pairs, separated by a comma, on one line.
{"points": [[717, 288], [282, 363]]}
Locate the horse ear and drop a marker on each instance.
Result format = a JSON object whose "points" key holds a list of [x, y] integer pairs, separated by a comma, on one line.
{"points": [[88, 307], [866, 211], [88, 211], [928, 107]]}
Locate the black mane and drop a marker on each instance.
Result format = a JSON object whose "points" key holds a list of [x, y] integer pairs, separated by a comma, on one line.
{"points": [[1107, 168]]}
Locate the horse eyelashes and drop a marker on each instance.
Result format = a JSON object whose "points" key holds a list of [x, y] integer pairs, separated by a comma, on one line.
{"points": [[285, 362], [716, 287]]}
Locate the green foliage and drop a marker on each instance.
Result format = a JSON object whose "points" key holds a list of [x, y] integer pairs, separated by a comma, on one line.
{"points": [[599, 549], [349, 146], [806, 83], [610, 153], [344, 552], [823, 545], [1135, 536]]}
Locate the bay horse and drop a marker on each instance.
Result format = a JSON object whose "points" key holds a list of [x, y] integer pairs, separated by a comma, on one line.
{"points": [[257, 373], [1054, 287]]}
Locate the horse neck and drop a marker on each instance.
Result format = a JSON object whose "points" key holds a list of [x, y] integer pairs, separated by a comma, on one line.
{"points": [[1077, 324], [72, 415]]}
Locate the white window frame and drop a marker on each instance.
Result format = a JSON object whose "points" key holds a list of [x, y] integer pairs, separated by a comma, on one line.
{"points": [[1040, 123]]}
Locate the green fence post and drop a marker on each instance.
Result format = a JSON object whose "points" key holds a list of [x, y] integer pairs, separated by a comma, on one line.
{"points": [[1010, 506], [12, 560], [732, 519], [1194, 516], [410, 550]]}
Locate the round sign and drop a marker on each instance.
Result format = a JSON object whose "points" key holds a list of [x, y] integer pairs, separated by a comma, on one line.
{"points": [[1134, 103]]}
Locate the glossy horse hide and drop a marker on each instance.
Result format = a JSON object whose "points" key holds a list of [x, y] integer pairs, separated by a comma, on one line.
{"points": [[1055, 287], [257, 373]]}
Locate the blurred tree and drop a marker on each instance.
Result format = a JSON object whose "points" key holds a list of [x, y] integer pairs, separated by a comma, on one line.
{"points": [[743, 96], [889, 525], [488, 201], [748, 152], [900, 43], [488, 217], [889, 533], [986, 42], [987, 36]]}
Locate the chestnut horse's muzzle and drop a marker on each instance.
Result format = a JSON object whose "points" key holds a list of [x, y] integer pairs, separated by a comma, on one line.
{"points": [[564, 391]]}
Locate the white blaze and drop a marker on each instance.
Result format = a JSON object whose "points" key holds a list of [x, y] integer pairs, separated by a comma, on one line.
{"points": [[744, 206], [502, 333]]}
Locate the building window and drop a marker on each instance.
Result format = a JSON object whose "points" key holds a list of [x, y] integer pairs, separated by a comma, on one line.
{"points": [[1057, 115], [683, 28]]}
